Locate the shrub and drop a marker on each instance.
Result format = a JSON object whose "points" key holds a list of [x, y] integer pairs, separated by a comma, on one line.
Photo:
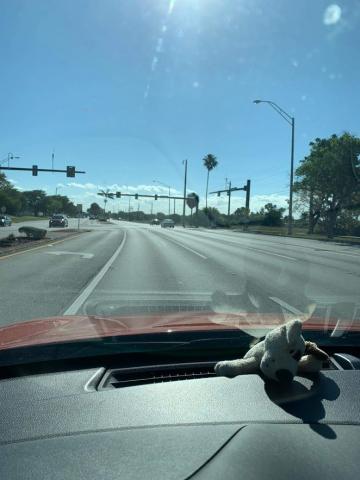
{"points": [[33, 232], [8, 241]]}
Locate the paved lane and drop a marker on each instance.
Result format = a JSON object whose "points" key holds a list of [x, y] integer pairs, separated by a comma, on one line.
{"points": [[43, 282], [127, 267], [261, 274]]}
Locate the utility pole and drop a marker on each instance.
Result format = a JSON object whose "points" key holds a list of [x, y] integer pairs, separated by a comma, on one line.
{"points": [[184, 203], [129, 209], [174, 207], [229, 194]]}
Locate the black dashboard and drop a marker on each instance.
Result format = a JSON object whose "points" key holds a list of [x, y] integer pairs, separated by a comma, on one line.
{"points": [[181, 423]]}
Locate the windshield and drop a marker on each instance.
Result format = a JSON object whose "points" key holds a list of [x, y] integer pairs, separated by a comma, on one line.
{"points": [[205, 156]]}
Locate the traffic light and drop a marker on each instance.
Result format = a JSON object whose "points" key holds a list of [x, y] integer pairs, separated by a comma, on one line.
{"points": [[118, 194], [70, 171], [156, 197], [136, 196], [34, 170], [218, 194]]}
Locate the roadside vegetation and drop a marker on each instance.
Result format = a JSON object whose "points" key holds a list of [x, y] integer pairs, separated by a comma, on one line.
{"points": [[32, 204]]}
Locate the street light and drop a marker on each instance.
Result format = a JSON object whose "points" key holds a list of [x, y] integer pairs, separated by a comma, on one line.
{"points": [[291, 121], [10, 156], [167, 186]]}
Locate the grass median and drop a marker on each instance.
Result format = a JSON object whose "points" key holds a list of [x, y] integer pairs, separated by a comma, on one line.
{"points": [[27, 218], [299, 233]]}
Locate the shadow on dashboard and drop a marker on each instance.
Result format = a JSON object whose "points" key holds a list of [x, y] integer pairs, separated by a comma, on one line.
{"points": [[304, 400]]}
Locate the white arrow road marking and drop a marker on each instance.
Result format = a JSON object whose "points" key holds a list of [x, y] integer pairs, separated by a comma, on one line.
{"points": [[81, 254]]}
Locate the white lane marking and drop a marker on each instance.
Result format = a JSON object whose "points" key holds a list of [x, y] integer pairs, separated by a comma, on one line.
{"points": [[84, 295], [345, 253], [81, 254], [288, 307], [272, 253], [187, 248]]}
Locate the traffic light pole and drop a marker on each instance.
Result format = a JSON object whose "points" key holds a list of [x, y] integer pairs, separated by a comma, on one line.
{"points": [[229, 201], [229, 190]]}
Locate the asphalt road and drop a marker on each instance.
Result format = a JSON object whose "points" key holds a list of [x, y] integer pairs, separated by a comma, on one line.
{"points": [[125, 267]]}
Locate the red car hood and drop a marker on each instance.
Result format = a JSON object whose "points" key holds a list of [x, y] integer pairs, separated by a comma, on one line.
{"points": [[73, 328]]}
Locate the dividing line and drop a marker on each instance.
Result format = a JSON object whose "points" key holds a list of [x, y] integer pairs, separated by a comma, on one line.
{"points": [[271, 253], [183, 246], [84, 295]]}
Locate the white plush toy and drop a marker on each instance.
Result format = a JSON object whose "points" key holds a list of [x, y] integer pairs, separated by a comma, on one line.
{"points": [[282, 354]]}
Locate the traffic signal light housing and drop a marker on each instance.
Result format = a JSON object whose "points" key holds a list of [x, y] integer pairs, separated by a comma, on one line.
{"points": [[156, 197], [118, 194], [70, 171], [34, 170], [136, 196]]}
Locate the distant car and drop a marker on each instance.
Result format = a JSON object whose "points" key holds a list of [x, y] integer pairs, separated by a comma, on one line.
{"points": [[167, 223], [92, 217], [58, 220], [155, 221], [5, 221]]}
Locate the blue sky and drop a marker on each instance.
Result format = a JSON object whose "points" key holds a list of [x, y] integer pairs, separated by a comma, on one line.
{"points": [[127, 89]]}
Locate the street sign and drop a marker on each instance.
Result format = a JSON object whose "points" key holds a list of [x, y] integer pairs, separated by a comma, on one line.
{"points": [[192, 200], [79, 207]]}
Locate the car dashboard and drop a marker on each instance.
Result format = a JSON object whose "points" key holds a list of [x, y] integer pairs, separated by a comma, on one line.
{"points": [[180, 421]]}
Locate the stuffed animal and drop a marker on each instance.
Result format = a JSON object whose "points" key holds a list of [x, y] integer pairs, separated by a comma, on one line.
{"points": [[282, 354]]}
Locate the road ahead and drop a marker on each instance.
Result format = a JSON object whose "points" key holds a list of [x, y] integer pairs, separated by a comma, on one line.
{"points": [[126, 267]]}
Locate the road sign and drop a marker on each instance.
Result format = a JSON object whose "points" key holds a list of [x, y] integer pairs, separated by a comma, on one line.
{"points": [[192, 200], [79, 207]]}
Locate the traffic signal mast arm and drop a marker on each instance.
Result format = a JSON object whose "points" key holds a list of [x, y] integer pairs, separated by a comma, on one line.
{"points": [[139, 195], [70, 171]]}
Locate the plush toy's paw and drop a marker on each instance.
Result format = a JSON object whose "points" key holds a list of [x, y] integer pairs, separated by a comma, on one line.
{"points": [[312, 349], [231, 368], [310, 364], [225, 369]]}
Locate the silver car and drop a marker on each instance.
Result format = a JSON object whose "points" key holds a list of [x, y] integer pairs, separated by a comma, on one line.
{"points": [[167, 223]]}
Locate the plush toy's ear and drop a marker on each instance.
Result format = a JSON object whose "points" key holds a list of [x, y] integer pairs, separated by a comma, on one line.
{"points": [[276, 335], [294, 331]]}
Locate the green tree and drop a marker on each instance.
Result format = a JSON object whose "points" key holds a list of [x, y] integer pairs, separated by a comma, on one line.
{"points": [[272, 215], [95, 209], [210, 162], [34, 201], [10, 197], [327, 179]]}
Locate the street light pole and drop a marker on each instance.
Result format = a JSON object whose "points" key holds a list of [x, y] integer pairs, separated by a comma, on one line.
{"points": [[184, 202], [291, 121], [290, 225]]}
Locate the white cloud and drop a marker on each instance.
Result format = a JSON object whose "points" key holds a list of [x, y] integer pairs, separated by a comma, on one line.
{"points": [[332, 14], [85, 186]]}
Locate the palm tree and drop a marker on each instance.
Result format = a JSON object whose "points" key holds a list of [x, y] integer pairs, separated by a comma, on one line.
{"points": [[106, 194], [210, 162]]}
